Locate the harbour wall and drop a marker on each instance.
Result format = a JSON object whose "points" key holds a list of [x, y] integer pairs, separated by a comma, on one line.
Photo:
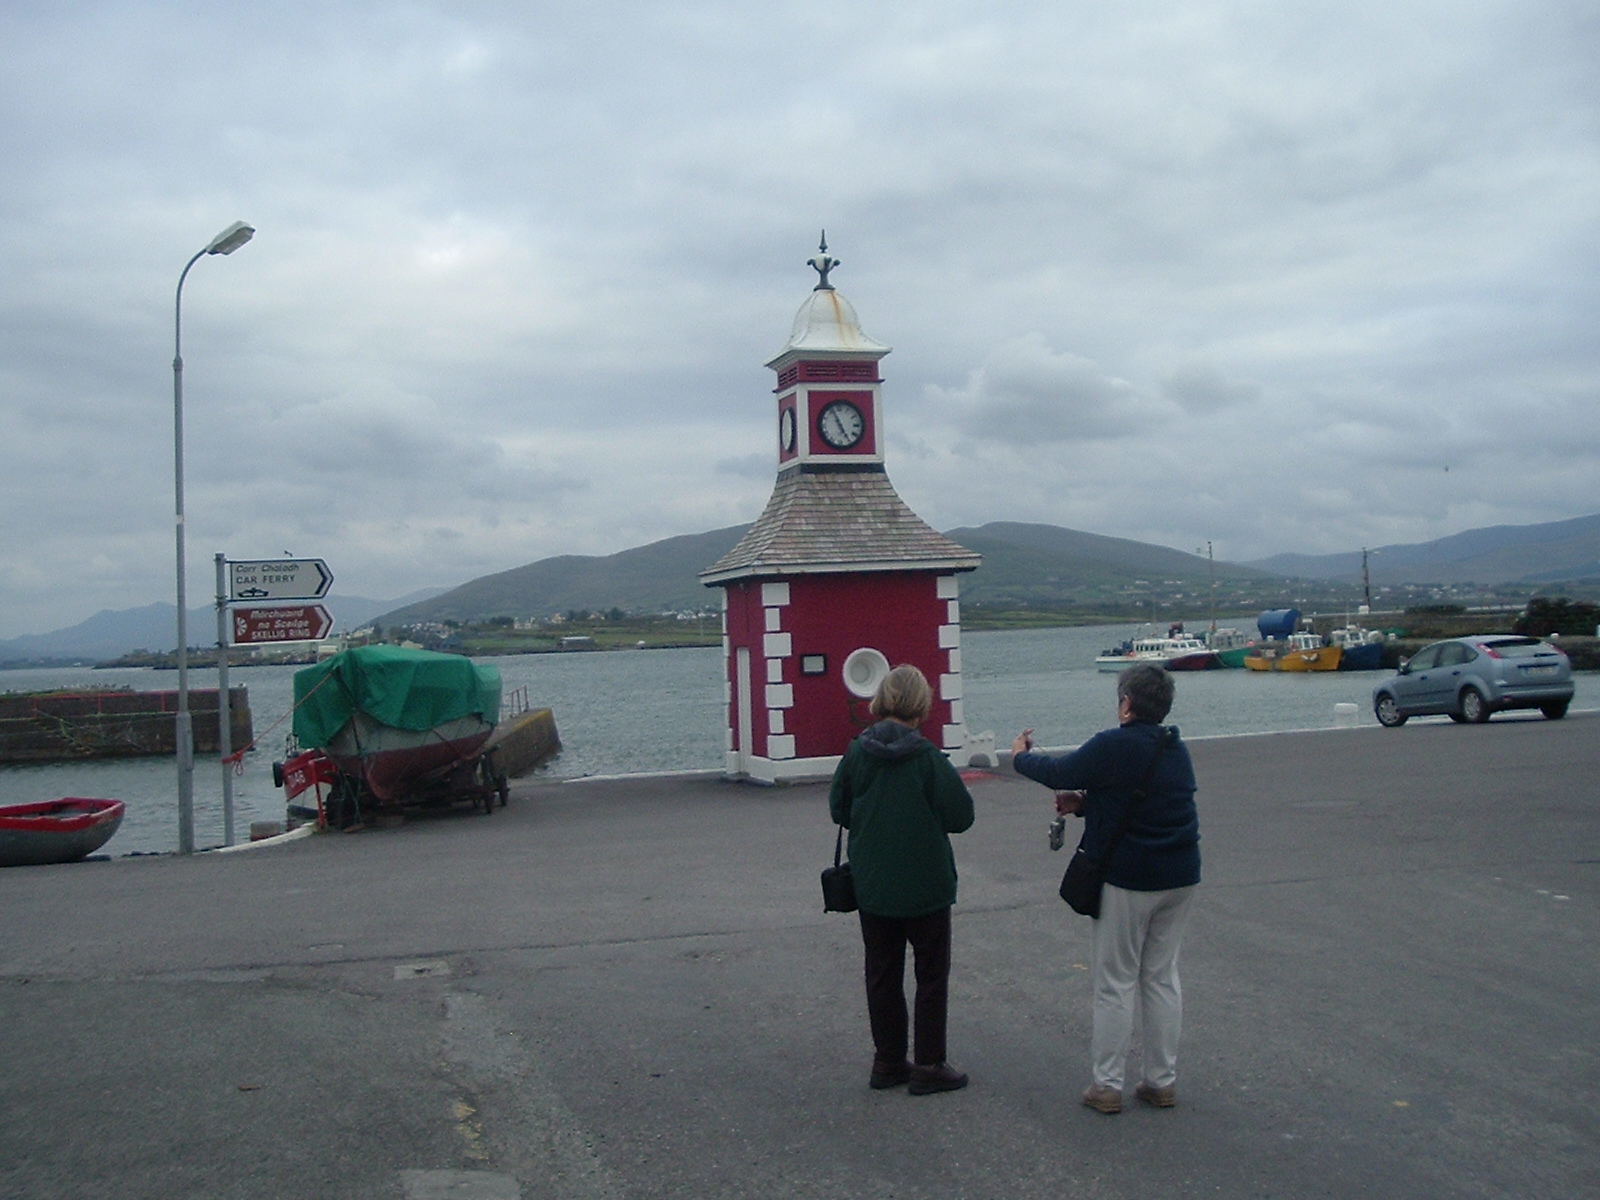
{"points": [[64, 726]]}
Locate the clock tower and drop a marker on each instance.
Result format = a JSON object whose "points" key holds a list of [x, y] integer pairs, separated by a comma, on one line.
{"points": [[838, 580], [829, 391]]}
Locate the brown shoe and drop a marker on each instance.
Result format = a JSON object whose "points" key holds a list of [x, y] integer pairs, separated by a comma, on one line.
{"points": [[941, 1077], [1157, 1097], [889, 1074], [1103, 1099]]}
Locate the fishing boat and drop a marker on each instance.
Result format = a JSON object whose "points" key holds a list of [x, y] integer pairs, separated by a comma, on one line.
{"points": [[1230, 646], [396, 719], [1297, 652], [1176, 652], [1362, 648], [56, 831]]}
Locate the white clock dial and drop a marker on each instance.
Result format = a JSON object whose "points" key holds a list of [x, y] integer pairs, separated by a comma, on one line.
{"points": [[786, 430], [840, 424]]}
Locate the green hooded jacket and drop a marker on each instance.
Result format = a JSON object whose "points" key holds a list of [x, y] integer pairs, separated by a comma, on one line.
{"points": [[900, 798]]}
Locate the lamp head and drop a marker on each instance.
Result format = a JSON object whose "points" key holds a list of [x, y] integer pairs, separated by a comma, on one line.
{"points": [[231, 238]]}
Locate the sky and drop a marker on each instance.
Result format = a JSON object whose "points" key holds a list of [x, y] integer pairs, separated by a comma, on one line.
{"points": [[1281, 277]]}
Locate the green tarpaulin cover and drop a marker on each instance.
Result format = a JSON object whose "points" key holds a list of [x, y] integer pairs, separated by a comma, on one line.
{"points": [[408, 689]]}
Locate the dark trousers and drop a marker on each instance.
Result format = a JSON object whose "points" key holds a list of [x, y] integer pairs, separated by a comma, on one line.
{"points": [[885, 940]]}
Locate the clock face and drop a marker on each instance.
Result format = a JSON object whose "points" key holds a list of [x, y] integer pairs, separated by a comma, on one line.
{"points": [[840, 424], [786, 430]]}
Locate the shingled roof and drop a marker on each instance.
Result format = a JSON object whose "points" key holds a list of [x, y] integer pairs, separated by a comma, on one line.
{"points": [[826, 521]]}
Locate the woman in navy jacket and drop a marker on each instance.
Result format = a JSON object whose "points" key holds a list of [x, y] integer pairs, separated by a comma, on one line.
{"points": [[1149, 882]]}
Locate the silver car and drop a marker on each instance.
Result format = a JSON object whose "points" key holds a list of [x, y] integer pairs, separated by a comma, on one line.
{"points": [[1472, 678]]}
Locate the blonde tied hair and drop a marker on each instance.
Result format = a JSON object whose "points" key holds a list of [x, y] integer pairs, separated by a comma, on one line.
{"points": [[904, 695]]}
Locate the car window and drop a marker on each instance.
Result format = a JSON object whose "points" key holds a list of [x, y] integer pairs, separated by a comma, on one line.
{"points": [[1453, 654], [1425, 658]]}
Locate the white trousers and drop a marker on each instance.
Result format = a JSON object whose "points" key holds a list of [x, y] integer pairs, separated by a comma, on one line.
{"points": [[1136, 940]]}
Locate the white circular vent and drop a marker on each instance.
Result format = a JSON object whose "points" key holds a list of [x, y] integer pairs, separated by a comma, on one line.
{"points": [[863, 671]]}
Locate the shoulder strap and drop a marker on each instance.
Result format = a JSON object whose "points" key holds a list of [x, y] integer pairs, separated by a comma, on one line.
{"points": [[1164, 735]]}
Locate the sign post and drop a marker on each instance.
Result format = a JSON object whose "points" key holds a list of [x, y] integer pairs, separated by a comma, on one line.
{"points": [[251, 583], [224, 705]]}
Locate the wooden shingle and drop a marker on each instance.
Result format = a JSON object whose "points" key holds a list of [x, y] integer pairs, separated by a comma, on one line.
{"points": [[825, 521]]}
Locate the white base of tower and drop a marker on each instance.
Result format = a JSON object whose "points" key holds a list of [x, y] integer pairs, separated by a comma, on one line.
{"points": [[968, 750]]}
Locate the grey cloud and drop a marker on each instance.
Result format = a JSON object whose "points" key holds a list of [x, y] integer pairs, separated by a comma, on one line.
{"points": [[1202, 388], [518, 271], [1024, 390]]}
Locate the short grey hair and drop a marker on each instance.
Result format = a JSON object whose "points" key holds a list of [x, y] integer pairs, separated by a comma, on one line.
{"points": [[1148, 689]]}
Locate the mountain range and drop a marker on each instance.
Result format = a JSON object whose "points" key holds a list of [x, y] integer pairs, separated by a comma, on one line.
{"points": [[1025, 565], [1554, 552], [1043, 566], [113, 632]]}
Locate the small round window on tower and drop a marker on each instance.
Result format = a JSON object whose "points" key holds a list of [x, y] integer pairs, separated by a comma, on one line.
{"points": [[863, 671]]}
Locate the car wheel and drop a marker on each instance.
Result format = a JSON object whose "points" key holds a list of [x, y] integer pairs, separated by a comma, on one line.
{"points": [[1457, 718], [1473, 707], [1389, 713], [1555, 710]]}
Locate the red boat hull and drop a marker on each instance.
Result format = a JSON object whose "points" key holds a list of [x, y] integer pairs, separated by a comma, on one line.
{"points": [[394, 773], [56, 831]]}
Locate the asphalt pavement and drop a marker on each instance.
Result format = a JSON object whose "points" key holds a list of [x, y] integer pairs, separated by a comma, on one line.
{"points": [[627, 988]]}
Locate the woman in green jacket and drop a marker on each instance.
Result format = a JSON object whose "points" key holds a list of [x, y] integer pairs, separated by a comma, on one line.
{"points": [[901, 798]]}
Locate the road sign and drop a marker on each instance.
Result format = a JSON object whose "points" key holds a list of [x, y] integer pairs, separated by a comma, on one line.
{"points": [[299, 623], [279, 579]]}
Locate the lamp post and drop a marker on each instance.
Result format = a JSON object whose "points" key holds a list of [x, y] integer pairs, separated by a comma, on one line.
{"points": [[226, 242]]}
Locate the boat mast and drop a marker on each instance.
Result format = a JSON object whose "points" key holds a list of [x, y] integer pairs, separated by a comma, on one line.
{"points": [[1211, 569], [1366, 579]]}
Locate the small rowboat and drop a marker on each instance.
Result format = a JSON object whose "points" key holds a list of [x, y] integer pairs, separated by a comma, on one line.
{"points": [[56, 831]]}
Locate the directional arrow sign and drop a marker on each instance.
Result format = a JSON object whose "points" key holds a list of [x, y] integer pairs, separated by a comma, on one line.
{"points": [[279, 579], [302, 623]]}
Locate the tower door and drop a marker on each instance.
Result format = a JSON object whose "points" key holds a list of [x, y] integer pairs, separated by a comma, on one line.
{"points": [[746, 714]]}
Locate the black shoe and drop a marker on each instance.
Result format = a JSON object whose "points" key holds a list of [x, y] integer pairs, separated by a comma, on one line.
{"points": [[889, 1074], [941, 1077]]}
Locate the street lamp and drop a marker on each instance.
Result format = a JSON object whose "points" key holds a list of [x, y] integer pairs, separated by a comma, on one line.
{"points": [[226, 242]]}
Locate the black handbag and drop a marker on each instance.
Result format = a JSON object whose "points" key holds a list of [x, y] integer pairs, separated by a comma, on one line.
{"points": [[1085, 877], [838, 883]]}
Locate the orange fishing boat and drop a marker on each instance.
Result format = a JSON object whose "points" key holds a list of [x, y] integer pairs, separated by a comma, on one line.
{"points": [[1297, 652]]}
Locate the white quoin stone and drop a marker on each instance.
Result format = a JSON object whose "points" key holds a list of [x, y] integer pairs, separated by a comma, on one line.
{"points": [[774, 595]]}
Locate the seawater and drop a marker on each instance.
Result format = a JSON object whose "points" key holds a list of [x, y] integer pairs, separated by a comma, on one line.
{"points": [[636, 711]]}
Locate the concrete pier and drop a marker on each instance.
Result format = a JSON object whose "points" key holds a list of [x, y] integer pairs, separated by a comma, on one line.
{"points": [[628, 988]]}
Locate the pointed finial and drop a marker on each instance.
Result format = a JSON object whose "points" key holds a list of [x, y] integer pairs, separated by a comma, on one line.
{"points": [[822, 264]]}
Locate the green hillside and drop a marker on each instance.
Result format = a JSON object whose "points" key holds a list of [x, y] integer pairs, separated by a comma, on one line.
{"points": [[1029, 566], [1048, 566], [659, 577]]}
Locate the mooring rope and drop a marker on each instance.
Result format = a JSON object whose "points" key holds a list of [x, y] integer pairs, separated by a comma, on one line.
{"points": [[237, 757]]}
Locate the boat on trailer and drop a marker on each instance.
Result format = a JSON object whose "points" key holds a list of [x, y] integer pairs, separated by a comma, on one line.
{"points": [[386, 726], [56, 831]]}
